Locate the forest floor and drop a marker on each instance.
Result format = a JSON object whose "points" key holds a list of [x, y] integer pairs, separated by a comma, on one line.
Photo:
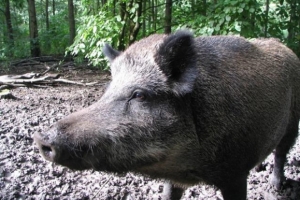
{"points": [[24, 174]]}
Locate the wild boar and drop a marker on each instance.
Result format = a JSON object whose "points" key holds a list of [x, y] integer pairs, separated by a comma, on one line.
{"points": [[189, 110]]}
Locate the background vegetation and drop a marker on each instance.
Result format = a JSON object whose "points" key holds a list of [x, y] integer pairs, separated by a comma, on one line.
{"points": [[80, 27]]}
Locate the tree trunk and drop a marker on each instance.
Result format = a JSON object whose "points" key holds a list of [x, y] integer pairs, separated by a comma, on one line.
{"points": [[103, 2], [149, 17], [298, 51], [114, 5], [144, 19], [168, 16], [293, 26], [71, 21], [53, 7], [124, 17], [47, 42], [121, 45], [204, 7], [33, 30], [266, 18], [97, 6], [193, 8], [137, 24], [291, 30], [47, 14], [10, 32], [154, 14]]}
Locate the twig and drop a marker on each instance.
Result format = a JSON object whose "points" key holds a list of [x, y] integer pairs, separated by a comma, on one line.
{"points": [[109, 178]]}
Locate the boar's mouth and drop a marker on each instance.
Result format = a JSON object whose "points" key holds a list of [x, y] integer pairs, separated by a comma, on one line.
{"points": [[111, 150], [76, 156], [83, 156]]}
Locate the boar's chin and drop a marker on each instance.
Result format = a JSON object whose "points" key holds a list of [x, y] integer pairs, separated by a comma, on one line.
{"points": [[74, 164], [86, 164]]}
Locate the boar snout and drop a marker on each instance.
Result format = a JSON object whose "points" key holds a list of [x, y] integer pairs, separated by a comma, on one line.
{"points": [[49, 146], [46, 149], [55, 148]]}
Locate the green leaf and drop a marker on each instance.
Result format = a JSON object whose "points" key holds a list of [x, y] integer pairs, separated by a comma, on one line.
{"points": [[95, 29], [227, 10], [217, 28], [252, 10], [233, 2], [81, 46], [211, 23], [221, 20], [132, 10], [4, 92], [228, 18], [118, 18], [237, 27]]}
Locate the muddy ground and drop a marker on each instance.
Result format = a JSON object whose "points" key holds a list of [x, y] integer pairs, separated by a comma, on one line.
{"points": [[24, 174]]}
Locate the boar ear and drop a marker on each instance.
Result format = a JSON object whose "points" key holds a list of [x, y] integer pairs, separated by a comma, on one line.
{"points": [[176, 57], [110, 53]]}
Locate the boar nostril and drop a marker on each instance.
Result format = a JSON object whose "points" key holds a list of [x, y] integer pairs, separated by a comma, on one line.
{"points": [[46, 149], [48, 152]]}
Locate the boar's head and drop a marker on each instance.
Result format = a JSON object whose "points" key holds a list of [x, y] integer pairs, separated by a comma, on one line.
{"points": [[143, 122]]}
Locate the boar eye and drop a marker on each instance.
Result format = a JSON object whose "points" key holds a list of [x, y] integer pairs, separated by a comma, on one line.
{"points": [[139, 96]]}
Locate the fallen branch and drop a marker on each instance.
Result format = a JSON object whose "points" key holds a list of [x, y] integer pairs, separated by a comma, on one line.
{"points": [[33, 79], [35, 61], [74, 82]]}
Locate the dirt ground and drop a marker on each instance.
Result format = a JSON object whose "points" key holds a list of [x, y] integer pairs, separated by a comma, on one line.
{"points": [[24, 174]]}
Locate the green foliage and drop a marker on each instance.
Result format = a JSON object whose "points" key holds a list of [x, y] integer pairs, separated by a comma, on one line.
{"points": [[94, 30], [53, 41], [247, 18], [119, 23], [56, 39], [19, 47], [92, 33], [225, 17], [21, 43]]}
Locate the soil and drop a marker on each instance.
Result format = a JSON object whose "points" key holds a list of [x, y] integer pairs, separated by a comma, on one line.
{"points": [[24, 174]]}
